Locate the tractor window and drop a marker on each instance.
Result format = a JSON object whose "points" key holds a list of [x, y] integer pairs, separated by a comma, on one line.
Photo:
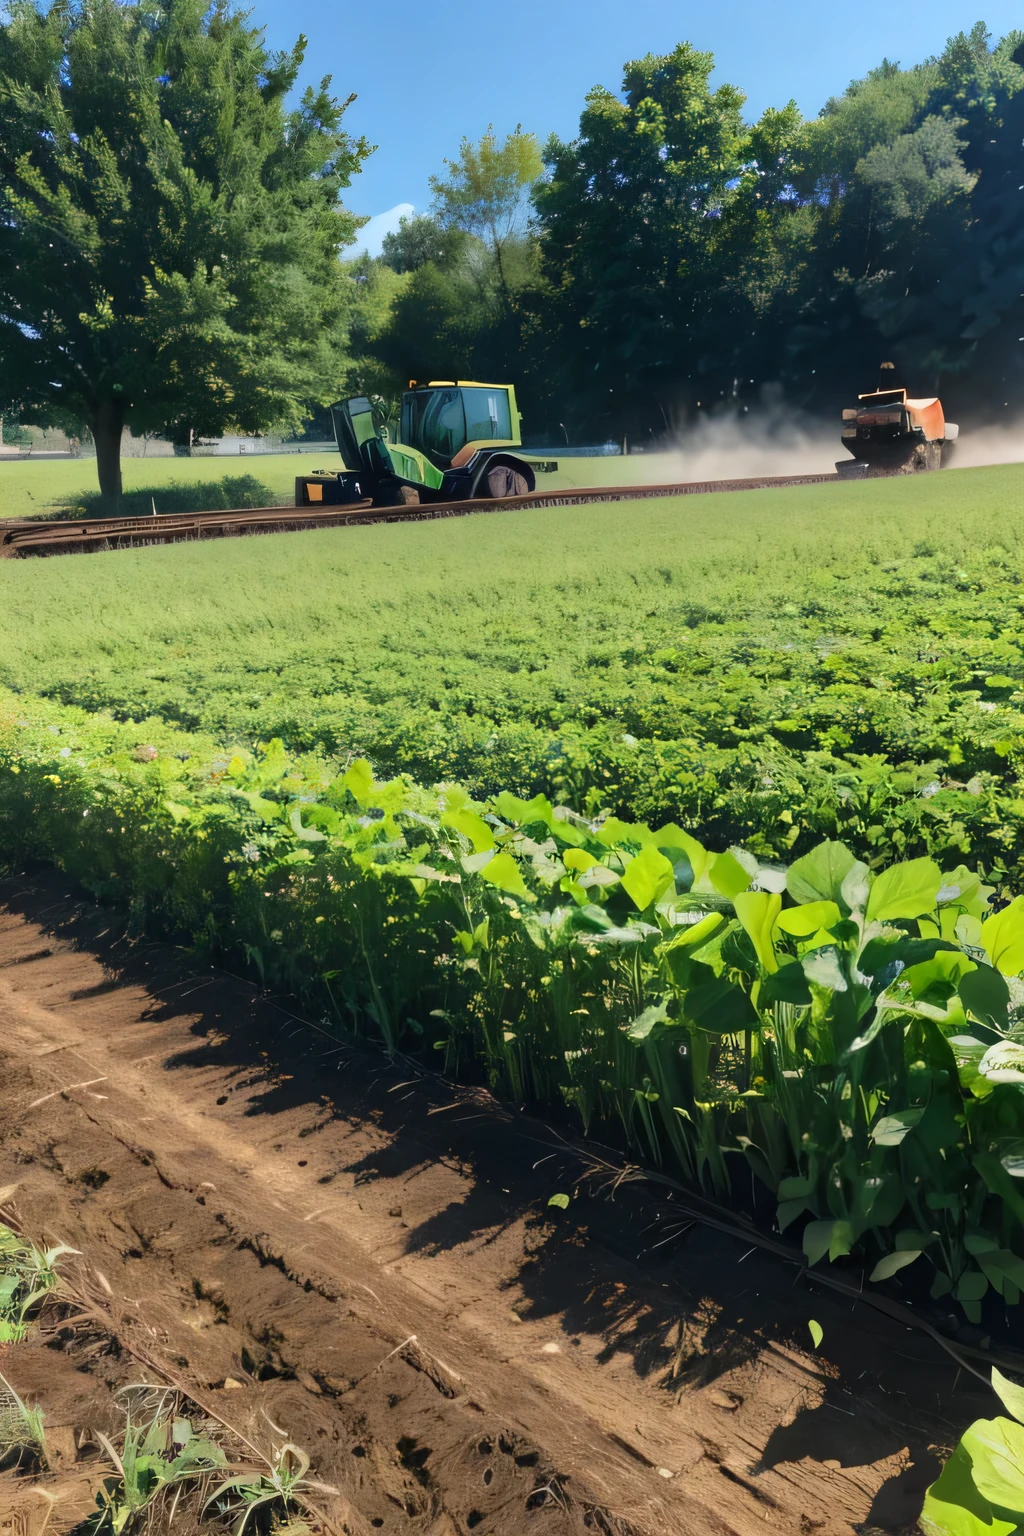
{"points": [[487, 416], [442, 425]]}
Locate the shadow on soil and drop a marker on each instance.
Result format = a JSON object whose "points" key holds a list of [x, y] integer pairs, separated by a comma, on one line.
{"points": [[682, 1304]]}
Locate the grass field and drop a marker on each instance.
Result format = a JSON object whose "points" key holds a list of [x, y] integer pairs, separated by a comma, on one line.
{"points": [[45, 487], [763, 665]]}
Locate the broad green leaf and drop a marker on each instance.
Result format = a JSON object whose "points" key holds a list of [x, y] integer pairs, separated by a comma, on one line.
{"points": [[266, 810], [1010, 1395], [671, 836], [359, 781], [693, 934], [1002, 935], [954, 1507], [835, 1238], [904, 890], [880, 953], [720, 1007], [802, 922], [1000, 1265], [816, 1331], [647, 877], [757, 911], [971, 1286], [523, 813], [787, 985], [472, 826], [728, 876], [562, 1202], [642, 1026], [996, 1449], [503, 871], [856, 887], [180, 813], [985, 995], [819, 875], [891, 1129], [789, 1210], [822, 967], [892, 1263]]}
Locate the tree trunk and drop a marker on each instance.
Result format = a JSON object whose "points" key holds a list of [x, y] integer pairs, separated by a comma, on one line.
{"points": [[107, 425]]}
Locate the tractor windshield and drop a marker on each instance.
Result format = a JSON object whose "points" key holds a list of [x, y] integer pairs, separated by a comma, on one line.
{"points": [[440, 422]]}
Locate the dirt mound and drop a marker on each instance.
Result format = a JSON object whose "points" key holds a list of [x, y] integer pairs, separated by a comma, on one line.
{"points": [[316, 1243]]}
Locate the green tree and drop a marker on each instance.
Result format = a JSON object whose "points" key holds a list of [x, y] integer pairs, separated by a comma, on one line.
{"points": [[486, 191], [647, 219], [460, 281], [169, 227], [419, 240], [918, 248]]}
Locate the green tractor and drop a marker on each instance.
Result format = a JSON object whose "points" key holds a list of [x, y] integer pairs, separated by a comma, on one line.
{"points": [[454, 442]]}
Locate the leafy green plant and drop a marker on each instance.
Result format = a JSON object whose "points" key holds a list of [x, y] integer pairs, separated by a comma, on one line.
{"points": [[27, 1276], [283, 1482], [160, 1450], [839, 662], [21, 1428], [980, 1490], [853, 1037]]}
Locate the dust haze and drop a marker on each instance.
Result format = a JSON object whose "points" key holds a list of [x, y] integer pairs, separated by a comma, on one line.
{"points": [[765, 441]]}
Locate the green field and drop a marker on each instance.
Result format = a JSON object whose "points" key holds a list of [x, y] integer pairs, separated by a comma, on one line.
{"points": [[717, 683], [764, 666], [49, 487]]}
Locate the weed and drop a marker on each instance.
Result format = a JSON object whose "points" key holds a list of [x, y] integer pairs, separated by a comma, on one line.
{"points": [[21, 1428], [27, 1276], [284, 1482], [161, 1453]]}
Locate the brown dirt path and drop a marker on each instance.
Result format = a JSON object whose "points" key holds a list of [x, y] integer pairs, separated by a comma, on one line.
{"points": [[309, 1237]]}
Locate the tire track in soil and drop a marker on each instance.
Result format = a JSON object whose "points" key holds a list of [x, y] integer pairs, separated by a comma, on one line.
{"points": [[305, 1234]]}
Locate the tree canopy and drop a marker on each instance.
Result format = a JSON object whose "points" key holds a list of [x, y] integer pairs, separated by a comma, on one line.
{"points": [[170, 226], [682, 259]]}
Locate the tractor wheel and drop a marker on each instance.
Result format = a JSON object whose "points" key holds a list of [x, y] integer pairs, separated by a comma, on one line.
{"points": [[503, 480]]}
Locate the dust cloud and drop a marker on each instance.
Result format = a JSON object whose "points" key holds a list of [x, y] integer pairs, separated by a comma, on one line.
{"points": [[766, 441], [990, 445]]}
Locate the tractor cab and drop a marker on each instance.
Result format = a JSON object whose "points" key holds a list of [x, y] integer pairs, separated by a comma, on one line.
{"points": [[453, 443], [450, 421]]}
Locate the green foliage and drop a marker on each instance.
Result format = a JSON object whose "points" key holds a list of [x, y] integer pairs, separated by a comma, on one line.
{"points": [[21, 1428], [638, 239], [170, 226], [27, 1276], [176, 496], [845, 1033], [159, 1449], [980, 1490], [771, 669], [283, 1482], [419, 240], [485, 191]]}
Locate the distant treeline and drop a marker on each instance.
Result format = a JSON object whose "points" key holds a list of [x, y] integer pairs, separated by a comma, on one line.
{"points": [[673, 259]]}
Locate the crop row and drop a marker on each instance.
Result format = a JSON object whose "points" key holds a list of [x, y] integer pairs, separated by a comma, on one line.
{"points": [[854, 1038]]}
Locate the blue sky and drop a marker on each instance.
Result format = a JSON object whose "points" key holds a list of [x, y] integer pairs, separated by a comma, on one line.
{"points": [[428, 71]]}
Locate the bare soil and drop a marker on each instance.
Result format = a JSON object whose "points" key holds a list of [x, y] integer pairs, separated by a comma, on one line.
{"points": [[319, 1243]]}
